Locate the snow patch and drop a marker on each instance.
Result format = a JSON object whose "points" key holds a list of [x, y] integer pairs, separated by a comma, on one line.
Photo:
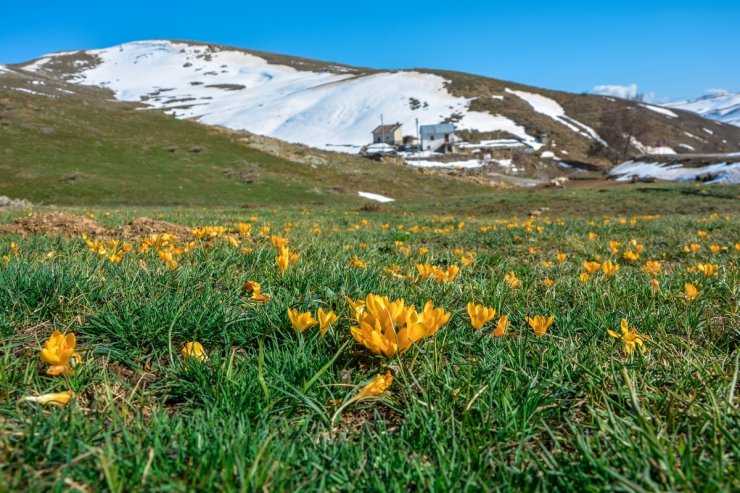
{"points": [[29, 91], [659, 150], [662, 111], [470, 163], [493, 144], [551, 108], [38, 64], [375, 197], [722, 172]]}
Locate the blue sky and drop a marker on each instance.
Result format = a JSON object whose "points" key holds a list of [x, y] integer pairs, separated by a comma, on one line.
{"points": [[673, 49]]}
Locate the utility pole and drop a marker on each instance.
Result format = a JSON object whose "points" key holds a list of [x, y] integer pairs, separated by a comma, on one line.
{"points": [[418, 137]]}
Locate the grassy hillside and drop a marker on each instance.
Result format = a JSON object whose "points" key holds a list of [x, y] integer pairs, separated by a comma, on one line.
{"points": [[71, 145]]}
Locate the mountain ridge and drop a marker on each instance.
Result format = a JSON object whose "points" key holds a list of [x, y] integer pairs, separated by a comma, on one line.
{"points": [[335, 106], [720, 105]]}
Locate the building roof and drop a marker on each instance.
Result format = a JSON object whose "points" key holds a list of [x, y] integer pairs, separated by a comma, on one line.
{"points": [[439, 129], [387, 129]]}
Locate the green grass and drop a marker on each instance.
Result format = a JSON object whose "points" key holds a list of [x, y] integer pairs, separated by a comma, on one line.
{"points": [[77, 151], [466, 411]]}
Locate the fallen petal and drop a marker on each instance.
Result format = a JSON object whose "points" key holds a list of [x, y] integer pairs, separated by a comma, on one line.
{"points": [[58, 399]]}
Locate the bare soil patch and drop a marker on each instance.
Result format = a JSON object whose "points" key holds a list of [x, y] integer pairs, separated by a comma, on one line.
{"points": [[55, 224], [142, 227], [69, 225]]}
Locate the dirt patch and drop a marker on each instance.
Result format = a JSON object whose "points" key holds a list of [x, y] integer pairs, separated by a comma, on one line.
{"points": [[247, 175], [56, 224], [72, 178], [142, 227], [369, 207], [68, 225]]}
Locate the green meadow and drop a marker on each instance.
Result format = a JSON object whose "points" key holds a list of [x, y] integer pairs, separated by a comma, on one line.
{"points": [[266, 407]]}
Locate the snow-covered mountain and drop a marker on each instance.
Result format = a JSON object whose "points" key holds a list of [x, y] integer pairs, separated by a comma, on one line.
{"points": [[336, 107], [718, 105]]}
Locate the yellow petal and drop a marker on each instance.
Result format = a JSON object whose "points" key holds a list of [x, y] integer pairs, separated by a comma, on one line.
{"points": [[58, 399]]}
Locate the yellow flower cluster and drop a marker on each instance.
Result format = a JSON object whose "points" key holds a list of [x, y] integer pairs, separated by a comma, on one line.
{"points": [[389, 327], [112, 250], [439, 274]]}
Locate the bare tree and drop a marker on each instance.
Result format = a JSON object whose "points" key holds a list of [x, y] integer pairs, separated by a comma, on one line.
{"points": [[620, 129]]}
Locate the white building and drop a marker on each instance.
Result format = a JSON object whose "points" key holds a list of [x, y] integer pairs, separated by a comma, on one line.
{"points": [[438, 138]]}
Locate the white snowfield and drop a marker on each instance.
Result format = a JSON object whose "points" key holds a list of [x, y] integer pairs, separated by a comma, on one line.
{"points": [[718, 105], [550, 107], [662, 111], [375, 197], [642, 148], [237, 90], [721, 172]]}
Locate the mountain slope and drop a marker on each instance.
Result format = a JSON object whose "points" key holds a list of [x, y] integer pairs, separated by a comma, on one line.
{"points": [[67, 144], [336, 107], [723, 106]]}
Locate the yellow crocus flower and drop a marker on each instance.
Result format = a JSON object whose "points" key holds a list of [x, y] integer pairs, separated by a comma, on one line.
{"points": [[690, 291], [194, 350], [708, 270], [326, 319], [540, 324], [502, 326], [301, 320], [282, 261], [58, 352], [609, 268], [630, 338], [652, 267], [513, 281], [480, 315], [389, 327], [357, 263]]}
